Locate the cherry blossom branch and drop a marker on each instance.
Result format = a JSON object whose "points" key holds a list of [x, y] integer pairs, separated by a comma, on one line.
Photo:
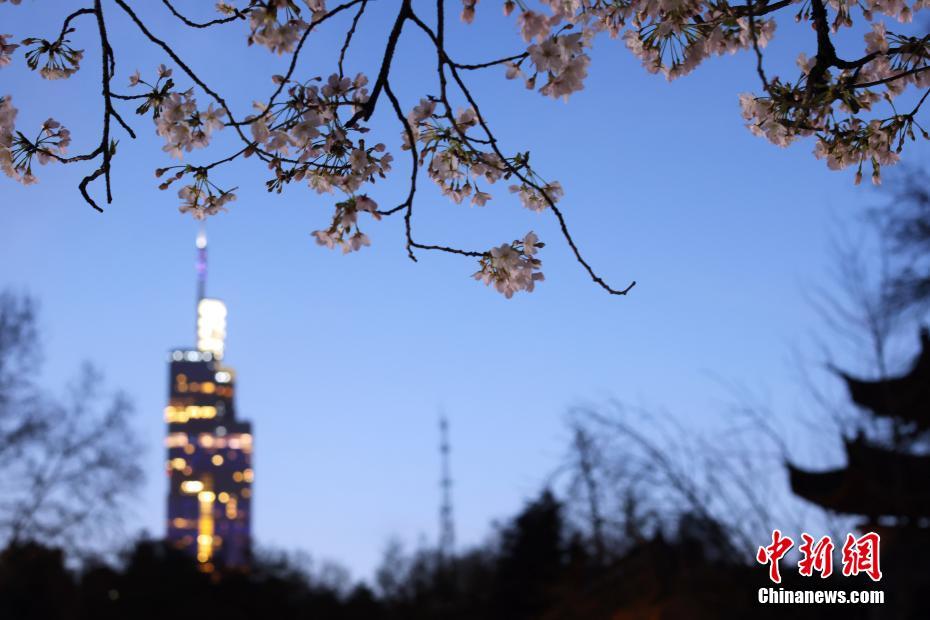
{"points": [[107, 65], [265, 156], [222, 20], [369, 107], [301, 132], [545, 194], [755, 44], [183, 65], [491, 63], [105, 149], [826, 53], [408, 203], [414, 170], [892, 78], [65, 27], [763, 8], [350, 34], [294, 57], [444, 60]]}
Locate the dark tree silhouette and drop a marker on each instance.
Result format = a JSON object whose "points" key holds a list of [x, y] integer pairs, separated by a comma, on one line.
{"points": [[69, 463]]}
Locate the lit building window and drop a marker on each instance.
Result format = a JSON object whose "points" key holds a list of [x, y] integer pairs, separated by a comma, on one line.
{"points": [[217, 460], [180, 415], [211, 327], [241, 442], [205, 527], [248, 476], [176, 440], [223, 376], [192, 486], [232, 508], [237, 476], [177, 463], [223, 497]]}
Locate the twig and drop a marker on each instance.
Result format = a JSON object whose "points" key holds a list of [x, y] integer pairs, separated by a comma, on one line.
{"points": [[222, 20]]}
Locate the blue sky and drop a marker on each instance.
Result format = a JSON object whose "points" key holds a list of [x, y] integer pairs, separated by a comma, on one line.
{"points": [[344, 361]]}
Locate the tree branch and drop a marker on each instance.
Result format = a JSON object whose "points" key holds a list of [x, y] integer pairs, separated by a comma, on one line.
{"points": [[223, 20]]}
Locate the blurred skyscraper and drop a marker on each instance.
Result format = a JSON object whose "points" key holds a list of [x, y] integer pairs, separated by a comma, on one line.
{"points": [[209, 451]]}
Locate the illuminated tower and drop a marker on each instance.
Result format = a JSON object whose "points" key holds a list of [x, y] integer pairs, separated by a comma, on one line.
{"points": [[209, 452]]}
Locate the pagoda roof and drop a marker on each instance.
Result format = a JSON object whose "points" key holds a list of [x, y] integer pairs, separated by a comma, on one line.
{"points": [[876, 482], [906, 397]]}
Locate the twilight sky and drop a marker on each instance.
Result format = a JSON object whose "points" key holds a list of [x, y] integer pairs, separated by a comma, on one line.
{"points": [[344, 361]]}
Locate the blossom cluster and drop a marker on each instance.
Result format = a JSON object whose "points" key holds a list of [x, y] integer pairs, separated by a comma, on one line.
{"points": [[536, 198], [675, 43], [276, 24], [17, 152], [512, 267], [201, 197], [899, 61], [858, 142], [344, 230], [7, 126], [560, 58], [455, 165], [789, 111], [673, 37], [176, 116], [58, 59], [307, 139], [183, 126], [6, 50]]}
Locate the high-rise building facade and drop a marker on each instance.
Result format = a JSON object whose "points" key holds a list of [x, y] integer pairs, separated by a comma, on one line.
{"points": [[209, 451]]}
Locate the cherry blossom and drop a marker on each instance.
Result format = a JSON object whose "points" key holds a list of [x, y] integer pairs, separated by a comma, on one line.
{"points": [[7, 125], [58, 60], [17, 152], [856, 105], [534, 199], [344, 230], [512, 267], [277, 24], [468, 10], [200, 197], [6, 50], [183, 126]]}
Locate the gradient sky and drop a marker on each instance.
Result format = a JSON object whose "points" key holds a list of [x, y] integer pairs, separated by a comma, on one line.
{"points": [[344, 361]]}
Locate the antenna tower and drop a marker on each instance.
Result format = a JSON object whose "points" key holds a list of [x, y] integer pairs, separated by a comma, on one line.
{"points": [[446, 523]]}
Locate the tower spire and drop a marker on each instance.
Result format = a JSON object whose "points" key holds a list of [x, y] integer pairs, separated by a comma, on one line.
{"points": [[211, 313], [446, 523], [201, 263]]}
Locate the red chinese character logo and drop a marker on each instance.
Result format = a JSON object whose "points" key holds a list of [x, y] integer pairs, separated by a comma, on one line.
{"points": [[860, 555], [773, 553], [817, 557]]}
